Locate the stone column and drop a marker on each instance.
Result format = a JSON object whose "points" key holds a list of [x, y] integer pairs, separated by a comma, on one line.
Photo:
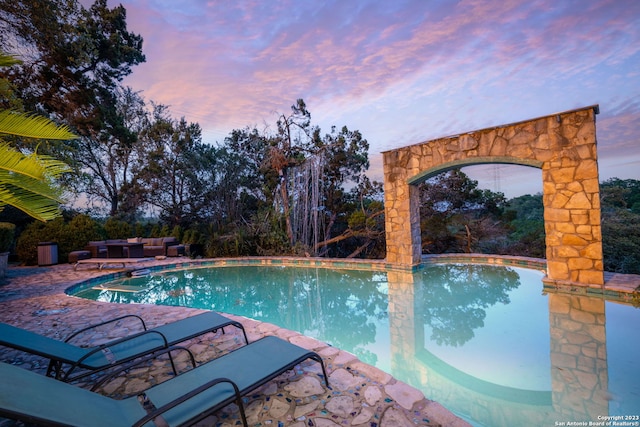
{"points": [[571, 198], [402, 320], [402, 214]]}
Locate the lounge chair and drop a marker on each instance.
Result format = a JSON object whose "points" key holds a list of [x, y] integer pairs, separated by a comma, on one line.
{"points": [[96, 359], [182, 400]]}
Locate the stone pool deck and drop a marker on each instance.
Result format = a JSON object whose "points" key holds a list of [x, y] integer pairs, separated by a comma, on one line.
{"points": [[360, 395]]}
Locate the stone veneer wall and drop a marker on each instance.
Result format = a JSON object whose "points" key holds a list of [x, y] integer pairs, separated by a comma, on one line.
{"points": [[562, 145]]}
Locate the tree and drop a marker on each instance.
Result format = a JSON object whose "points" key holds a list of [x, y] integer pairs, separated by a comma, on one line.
{"points": [[620, 200], [621, 193], [298, 176], [288, 148], [346, 159], [168, 146], [106, 167], [74, 61], [73, 57], [456, 216], [364, 231], [224, 189], [27, 181], [524, 217]]}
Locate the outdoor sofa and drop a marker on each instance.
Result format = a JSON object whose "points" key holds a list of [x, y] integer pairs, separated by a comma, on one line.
{"points": [[152, 246]]}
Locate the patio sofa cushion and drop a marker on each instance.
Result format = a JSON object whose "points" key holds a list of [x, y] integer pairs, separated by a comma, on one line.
{"points": [[152, 246], [155, 246]]}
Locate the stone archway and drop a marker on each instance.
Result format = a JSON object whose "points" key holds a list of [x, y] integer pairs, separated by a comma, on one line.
{"points": [[563, 145]]}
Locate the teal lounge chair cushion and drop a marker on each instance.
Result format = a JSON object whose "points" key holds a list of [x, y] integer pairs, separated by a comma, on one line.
{"points": [[35, 398], [194, 326], [53, 349], [118, 351]]}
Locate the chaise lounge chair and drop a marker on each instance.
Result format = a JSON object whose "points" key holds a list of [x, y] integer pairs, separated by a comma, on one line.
{"points": [[96, 359], [182, 400]]}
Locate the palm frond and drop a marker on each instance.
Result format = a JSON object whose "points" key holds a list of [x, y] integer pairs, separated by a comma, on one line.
{"points": [[29, 126], [34, 205], [34, 166], [26, 183]]}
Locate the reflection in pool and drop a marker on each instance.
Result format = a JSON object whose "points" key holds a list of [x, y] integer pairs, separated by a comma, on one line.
{"points": [[482, 340]]}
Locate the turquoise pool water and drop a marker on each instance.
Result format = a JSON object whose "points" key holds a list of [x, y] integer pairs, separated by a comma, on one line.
{"points": [[482, 340]]}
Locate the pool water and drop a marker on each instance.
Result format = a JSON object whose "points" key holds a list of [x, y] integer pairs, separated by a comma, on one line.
{"points": [[482, 340]]}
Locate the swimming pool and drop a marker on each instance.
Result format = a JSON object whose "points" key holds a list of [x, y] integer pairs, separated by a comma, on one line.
{"points": [[482, 340]]}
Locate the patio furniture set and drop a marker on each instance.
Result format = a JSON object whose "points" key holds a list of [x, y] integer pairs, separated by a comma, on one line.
{"points": [[133, 250], [182, 400]]}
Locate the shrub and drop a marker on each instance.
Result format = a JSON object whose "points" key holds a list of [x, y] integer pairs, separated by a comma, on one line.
{"points": [[228, 245], [164, 231], [191, 236], [80, 230], [7, 233], [117, 229], [27, 245], [69, 236], [140, 230], [177, 232], [155, 231]]}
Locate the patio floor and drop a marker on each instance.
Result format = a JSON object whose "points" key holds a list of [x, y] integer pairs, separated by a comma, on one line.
{"points": [[361, 395]]}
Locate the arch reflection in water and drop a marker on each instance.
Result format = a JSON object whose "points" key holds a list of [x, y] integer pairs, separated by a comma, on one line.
{"points": [[482, 340]]}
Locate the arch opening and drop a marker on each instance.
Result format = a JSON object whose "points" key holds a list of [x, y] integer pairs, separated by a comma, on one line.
{"points": [[465, 210], [445, 167]]}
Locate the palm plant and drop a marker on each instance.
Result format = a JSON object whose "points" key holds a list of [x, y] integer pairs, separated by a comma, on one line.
{"points": [[27, 181]]}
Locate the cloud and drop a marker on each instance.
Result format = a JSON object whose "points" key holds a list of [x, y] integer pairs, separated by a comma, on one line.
{"points": [[401, 72]]}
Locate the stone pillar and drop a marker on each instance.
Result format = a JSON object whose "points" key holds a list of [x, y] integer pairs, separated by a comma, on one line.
{"points": [[406, 331], [402, 320], [571, 198], [402, 214]]}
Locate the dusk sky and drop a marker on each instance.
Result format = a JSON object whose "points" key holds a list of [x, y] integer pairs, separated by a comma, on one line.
{"points": [[400, 72]]}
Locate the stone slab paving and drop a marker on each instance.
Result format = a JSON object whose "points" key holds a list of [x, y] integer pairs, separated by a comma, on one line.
{"points": [[360, 395]]}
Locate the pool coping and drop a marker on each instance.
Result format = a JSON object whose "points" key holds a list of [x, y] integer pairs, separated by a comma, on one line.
{"points": [[375, 265]]}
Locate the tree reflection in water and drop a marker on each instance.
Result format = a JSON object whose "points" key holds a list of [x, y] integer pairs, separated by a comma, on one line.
{"points": [[443, 305], [341, 306], [452, 299]]}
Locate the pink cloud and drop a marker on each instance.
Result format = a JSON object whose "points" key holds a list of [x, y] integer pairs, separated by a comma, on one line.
{"points": [[402, 71]]}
